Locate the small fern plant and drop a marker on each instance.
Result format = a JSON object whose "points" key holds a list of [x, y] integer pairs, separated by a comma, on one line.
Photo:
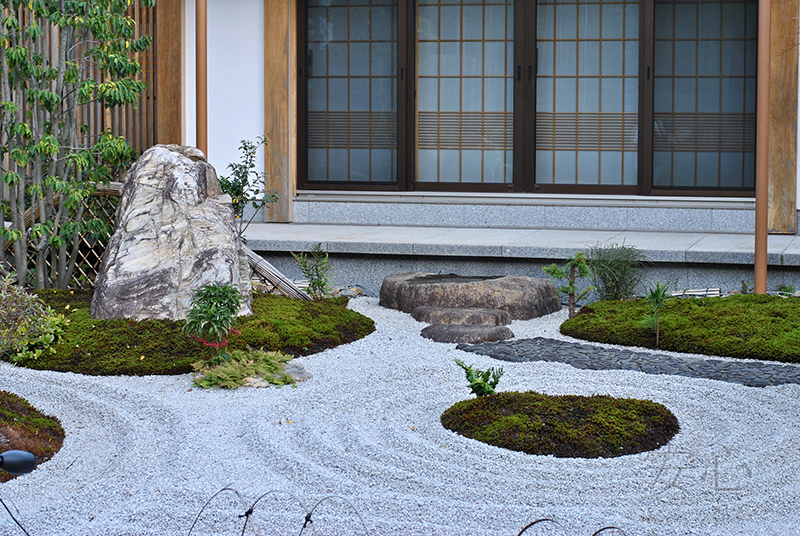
{"points": [[317, 270], [481, 382]]}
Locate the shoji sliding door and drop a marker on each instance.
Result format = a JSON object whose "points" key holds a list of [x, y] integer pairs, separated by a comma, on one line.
{"points": [[465, 91], [704, 94], [563, 96], [351, 99], [587, 92]]}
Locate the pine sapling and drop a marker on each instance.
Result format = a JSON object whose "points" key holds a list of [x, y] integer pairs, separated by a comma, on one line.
{"points": [[577, 266]]}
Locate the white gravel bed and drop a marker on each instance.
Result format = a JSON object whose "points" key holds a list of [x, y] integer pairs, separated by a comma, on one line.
{"points": [[143, 455]]}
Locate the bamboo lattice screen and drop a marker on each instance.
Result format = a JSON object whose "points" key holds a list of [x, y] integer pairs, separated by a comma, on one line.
{"points": [[138, 124]]}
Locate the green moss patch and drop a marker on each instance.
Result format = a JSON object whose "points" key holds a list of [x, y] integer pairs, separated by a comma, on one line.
{"points": [[23, 427], [159, 347], [743, 326], [563, 426]]}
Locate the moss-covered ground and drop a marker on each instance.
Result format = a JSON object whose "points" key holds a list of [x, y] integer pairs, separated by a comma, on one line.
{"points": [[22, 427], [159, 347], [742, 326], [563, 426]]}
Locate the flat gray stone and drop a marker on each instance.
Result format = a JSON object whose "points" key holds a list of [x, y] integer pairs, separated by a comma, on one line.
{"points": [[466, 334], [462, 316], [522, 297]]}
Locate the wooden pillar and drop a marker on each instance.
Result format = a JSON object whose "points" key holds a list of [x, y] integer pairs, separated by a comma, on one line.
{"points": [[782, 214], [280, 105], [201, 73], [168, 71], [762, 146]]}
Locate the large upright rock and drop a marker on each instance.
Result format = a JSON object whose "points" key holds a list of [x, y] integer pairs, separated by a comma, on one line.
{"points": [[175, 233]]}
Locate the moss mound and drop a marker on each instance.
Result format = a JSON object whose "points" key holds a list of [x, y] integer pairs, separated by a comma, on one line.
{"points": [[159, 347], [22, 427], [564, 426], [743, 326]]}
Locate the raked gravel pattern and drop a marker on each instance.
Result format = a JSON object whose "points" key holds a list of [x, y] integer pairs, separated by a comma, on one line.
{"points": [[143, 455]]}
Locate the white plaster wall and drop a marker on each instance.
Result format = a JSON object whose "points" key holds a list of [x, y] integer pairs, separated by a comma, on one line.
{"points": [[189, 72], [235, 78]]}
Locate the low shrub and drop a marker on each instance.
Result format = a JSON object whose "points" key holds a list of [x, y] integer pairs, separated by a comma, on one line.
{"points": [[317, 270], [214, 310], [28, 327], [748, 326], [563, 426]]}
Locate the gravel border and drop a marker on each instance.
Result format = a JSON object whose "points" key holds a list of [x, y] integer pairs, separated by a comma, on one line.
{"points": [[143, 455]]}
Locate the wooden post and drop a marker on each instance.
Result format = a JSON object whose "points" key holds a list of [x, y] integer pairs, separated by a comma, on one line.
{"points": [[783, 118], [280, 105], [168, 71], [762, 147], [201, 20]]}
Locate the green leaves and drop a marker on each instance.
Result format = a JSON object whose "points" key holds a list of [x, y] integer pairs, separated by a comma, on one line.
{"points": [[214, 309], [656, 297], [481, 382], [616, 270], [317, 270], [577, 266], [28, 327], [47, 156], [245, 185]]}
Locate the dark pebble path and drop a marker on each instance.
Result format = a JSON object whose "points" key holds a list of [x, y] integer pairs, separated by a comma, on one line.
{"points": [[589, 357]]}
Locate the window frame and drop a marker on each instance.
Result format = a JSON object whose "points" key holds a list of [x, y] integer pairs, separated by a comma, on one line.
{"points": [[524, 124]]}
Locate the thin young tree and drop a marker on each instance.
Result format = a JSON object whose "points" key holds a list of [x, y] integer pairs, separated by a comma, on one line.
{"points": [[56, 56]]}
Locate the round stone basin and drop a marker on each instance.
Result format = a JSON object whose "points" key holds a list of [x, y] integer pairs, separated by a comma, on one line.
{"points": [[449, 278], [523, 297]]}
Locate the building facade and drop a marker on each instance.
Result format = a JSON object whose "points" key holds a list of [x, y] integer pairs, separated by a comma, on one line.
{"points": [[519, 105]]}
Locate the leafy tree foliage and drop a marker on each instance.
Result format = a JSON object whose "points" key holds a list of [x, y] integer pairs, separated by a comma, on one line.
{"points": [[55, 56]]}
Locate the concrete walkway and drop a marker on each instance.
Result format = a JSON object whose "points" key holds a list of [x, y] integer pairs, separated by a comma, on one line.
{"points": [[504, 243]]}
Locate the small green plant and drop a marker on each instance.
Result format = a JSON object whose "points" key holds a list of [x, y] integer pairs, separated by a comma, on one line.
{"points": [[481, 382], [576, 267], [28, 327], [616, 270], [245, 185], [241, 365], [786, 289], [746, 288], [656, 297], [317, 270], [214, 309]]}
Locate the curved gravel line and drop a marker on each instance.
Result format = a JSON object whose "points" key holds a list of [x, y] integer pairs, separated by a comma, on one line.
{"points": [[143, 455]]}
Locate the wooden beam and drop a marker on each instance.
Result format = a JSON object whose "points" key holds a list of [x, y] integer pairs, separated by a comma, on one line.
{"points": [[782, 214], [168, 39], [280, 110]]}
